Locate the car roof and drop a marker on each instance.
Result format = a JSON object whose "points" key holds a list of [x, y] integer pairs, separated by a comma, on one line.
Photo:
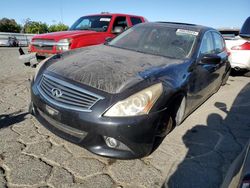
{"points": [[228, 29], [112, 14], [180, 25]]}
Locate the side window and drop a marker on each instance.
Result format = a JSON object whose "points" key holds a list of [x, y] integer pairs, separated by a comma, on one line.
{"points": [[83, 24], [135, 20], [218, 43], [207, 44], [120, 21]]}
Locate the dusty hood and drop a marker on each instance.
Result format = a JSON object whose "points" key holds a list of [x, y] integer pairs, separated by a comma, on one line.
{"points": [[106, 68], [63, 34]]}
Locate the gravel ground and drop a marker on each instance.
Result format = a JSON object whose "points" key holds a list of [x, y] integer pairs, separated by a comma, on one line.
{"points": [[196, 154]]}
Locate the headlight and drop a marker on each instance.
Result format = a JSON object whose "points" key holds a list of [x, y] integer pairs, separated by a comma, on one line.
{"points": [[63, 45], [137, 104]]}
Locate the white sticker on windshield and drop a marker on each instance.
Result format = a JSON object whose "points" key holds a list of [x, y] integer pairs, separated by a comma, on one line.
{"points": [[104, 19], [184, 31]]}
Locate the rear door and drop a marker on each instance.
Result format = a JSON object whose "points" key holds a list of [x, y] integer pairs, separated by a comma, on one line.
{"points": [[220, 50], [211, 73]]}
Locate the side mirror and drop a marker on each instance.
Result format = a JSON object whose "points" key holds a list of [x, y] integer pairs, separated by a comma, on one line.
{"points": [[118, 30], [210, 59]]}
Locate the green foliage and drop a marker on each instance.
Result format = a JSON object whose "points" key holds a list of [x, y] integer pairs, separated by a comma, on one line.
{"points": [[35, 27], [58, 27], [9, 25]]}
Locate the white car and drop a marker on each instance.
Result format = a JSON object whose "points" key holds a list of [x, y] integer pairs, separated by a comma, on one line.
{"points": [[239, 49]]}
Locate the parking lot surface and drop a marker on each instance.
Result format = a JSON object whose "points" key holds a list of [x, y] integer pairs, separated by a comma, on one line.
{"points": [[196, 154]]}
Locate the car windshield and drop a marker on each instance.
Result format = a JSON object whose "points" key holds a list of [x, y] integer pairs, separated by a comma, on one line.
{"points": [[157, 40], [94, 23]]}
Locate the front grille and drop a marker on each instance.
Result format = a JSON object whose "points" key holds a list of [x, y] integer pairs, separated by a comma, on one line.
{"points": [[41, 44], [43, 47], [66, 95]]}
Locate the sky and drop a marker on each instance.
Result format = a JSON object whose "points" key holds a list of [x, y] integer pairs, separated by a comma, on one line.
{"points": [[213, 13]]}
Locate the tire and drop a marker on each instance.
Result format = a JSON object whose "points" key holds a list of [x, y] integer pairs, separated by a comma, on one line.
{"points": [[164, 131], [175, 117], [166, 127]]}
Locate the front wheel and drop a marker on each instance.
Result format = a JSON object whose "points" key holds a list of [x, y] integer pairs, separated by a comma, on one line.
{"points": [[166, 127]]}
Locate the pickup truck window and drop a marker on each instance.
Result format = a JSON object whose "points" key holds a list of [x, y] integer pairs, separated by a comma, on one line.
{"points": [[121, 22], [135, 20], [95, 23]]}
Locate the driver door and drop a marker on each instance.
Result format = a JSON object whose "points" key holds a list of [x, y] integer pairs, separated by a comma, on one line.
{"points": [[205, 77]]}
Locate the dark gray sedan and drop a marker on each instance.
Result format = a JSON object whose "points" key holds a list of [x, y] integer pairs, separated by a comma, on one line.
{"points": [[121, 99]]}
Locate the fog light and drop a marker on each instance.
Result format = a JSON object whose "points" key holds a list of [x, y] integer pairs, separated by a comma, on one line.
{"points": [[111, 142]]}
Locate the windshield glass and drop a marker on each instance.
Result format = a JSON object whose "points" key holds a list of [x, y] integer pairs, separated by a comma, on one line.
{"points": [[95, 23], [157, 40]]}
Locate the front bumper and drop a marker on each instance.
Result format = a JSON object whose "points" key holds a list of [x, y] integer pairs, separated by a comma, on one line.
{"points": [[32, 58], [29, 59], [240, 59], [136, 135]]}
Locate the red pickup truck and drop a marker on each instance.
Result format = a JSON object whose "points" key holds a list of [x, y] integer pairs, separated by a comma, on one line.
{"points": [[86, 31]]}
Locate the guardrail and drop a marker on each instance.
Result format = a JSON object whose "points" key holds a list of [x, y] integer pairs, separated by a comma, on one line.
{"points": [[22, 38]]}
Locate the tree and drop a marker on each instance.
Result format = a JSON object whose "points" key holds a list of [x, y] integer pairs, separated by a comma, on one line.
{"points": [[35, 27], [9, 25], [58, 27]]}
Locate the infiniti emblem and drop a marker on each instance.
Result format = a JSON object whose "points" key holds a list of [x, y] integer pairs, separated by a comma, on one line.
{"points": [[56, 92]]}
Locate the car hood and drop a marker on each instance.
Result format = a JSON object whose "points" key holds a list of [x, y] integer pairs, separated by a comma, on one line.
{"points": [[108, 68], [63, 34]]}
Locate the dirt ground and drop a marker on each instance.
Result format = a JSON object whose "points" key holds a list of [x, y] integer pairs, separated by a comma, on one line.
{"points": [[196, 154]]}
